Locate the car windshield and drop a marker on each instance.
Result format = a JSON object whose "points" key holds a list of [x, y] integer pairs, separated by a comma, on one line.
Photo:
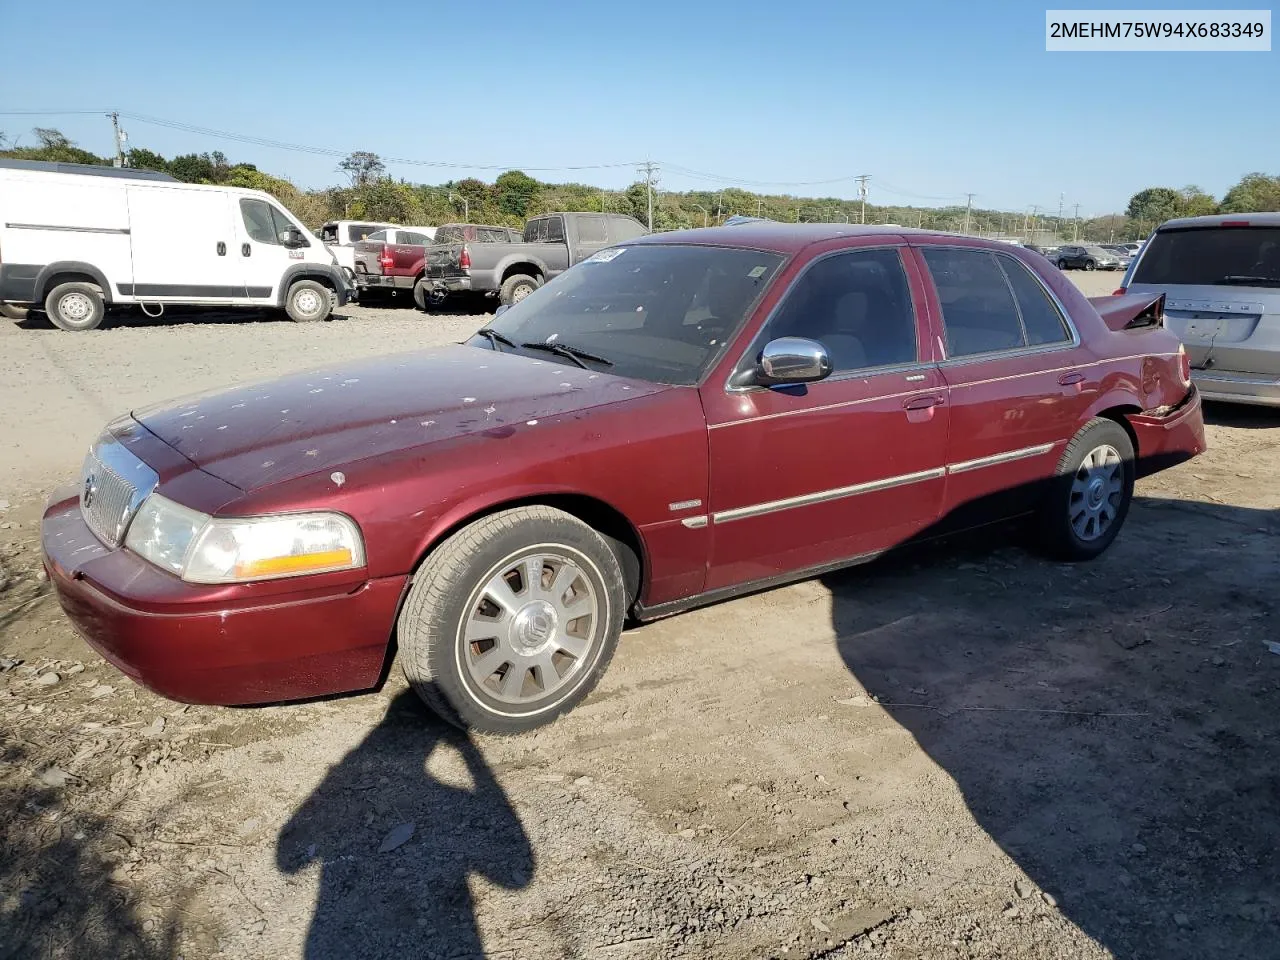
{"points": [[657, 312], [1213, 255]]}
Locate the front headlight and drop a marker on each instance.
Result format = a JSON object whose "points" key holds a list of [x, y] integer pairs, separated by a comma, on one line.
{"points": [[204, 549]]}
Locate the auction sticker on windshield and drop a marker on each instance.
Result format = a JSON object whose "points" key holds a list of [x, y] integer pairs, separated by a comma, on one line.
{"points": [[605, 256]]}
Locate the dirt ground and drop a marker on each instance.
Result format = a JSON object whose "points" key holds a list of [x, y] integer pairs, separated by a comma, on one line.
{"points": [[963, 751]]}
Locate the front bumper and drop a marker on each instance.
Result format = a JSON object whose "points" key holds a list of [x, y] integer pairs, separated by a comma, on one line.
{"points": [[217, 645], [1249, 388], [1165, 441]]}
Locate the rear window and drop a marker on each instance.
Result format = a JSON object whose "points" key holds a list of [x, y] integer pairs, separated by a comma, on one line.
{"points": [[449, 235], [329, 233], [1216, 256], [377, 235], [360, 231]]}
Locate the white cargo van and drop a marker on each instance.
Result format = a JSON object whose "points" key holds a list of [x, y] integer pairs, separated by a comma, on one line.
{"points": [[75, 239]]}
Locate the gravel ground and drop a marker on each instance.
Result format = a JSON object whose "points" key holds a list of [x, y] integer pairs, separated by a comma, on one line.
{"points": [[962, 752]]}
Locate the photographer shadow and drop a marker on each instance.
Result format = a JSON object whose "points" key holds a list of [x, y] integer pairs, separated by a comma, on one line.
{"points": [[386, 891]]}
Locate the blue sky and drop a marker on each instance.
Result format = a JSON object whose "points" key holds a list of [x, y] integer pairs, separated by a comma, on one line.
{"points": [[933, 99]]}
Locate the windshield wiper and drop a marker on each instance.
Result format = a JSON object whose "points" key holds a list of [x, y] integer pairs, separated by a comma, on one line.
{"points": [[494, 337], [571, 353], [1247, 281]]}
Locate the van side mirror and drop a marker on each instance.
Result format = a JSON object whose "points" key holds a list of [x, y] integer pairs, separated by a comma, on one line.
{"points": [[293, 238]]}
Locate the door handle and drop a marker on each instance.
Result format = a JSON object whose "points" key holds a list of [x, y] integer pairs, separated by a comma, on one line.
{"points": [[1067, 379], [245, 250], [923, 403], [222, 249]]}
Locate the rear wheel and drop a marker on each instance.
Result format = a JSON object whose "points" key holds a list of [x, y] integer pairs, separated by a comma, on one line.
{"points": [[512, 620], [516, 287], [425, 296], [1089, 496], [308, 301], [75, 306]]}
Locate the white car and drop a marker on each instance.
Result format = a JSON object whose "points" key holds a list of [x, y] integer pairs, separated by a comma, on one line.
{"points": [[75, 239]]}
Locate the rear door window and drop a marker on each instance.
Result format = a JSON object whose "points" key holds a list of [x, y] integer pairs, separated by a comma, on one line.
{"points": [[360, 231], [408, 236], [377, 235], [555, 229], [535, 231], [1215, 256], [1041, 317], [978, 310]]}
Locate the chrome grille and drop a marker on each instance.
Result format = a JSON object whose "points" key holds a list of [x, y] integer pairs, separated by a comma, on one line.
{"points": [[113, 484]]}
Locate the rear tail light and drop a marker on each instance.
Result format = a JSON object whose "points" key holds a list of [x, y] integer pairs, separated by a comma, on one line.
{"points": [[1118, 292], [464, 258], [1184, 365], [386, 259]]}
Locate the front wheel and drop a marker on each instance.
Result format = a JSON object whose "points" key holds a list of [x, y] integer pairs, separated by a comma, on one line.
{"points": [[1090, 265], [1062, 264], [1089, 495], [308, 301], [512, 621]]}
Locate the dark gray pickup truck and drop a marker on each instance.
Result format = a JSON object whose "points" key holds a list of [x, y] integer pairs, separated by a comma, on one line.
{"points": [[511, 271]]}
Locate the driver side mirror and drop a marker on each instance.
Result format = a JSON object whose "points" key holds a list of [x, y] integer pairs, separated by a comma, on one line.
{"points": [[294, 238], [792, 360]]}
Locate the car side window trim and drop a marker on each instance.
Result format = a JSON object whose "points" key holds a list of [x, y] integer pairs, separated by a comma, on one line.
{"points": [[1023, 351], [756, 343]]}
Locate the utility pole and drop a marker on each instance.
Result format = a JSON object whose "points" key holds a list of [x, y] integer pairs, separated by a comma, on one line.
{"points": [[759, 206], [650, 170], [862, 192], [118, 137], [1061, 197], [704, 212], [968, 208], [1075, 233], [466, 205], [920, 221]]}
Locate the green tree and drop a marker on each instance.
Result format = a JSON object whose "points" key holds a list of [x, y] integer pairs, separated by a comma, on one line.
{"points": [[1154, 205], [1194, 202], [362, 167], [514, 192], [141, 158], [193, 168], [1254, 192]]}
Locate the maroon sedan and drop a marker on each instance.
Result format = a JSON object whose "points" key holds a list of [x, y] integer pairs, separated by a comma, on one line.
{"points": [[674, 421]]}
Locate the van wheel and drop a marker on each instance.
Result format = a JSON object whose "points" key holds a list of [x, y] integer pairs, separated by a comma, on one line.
{"points": [[75, 306], [308, 301], [512, 620], [516, 287], [1089, 494]]}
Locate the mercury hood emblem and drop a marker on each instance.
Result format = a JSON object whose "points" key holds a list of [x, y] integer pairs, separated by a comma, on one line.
{"points": [[90, 491]]}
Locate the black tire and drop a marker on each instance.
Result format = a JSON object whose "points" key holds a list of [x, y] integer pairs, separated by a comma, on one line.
{"points": [[1058, 536], [1091, 265], [449, 585], [426, 297], [516, 287], [308, 301], [1062, 264], [75, 306]]}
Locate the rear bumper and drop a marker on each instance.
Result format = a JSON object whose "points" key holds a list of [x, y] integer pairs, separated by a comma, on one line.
{"points": [[450, 284], [198, 645], [1238, 387], [1165, 441], [369, 281]]}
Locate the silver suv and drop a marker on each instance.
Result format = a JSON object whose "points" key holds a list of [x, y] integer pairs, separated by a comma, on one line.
{"points": [[1221, 279]]}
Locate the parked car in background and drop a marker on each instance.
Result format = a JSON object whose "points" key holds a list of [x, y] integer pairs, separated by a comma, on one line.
{"points": [[664, 425], [1133, 247], [511, 271], [75, 240], [391, 260], [341, 237], [1088, 257], [1221, 275]]}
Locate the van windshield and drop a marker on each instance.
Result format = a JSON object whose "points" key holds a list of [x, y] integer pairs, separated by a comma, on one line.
{"points": [[1213, 256]]}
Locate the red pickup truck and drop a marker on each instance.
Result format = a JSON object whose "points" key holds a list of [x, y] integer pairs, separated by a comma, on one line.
{"points": [[393, 260]]}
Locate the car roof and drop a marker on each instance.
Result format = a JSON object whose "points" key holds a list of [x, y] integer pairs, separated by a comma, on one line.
{"points": [[1270, 219], [788, 238]]}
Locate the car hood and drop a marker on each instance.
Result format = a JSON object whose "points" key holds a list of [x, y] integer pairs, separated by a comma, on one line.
{"points": [[305, 423]]}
